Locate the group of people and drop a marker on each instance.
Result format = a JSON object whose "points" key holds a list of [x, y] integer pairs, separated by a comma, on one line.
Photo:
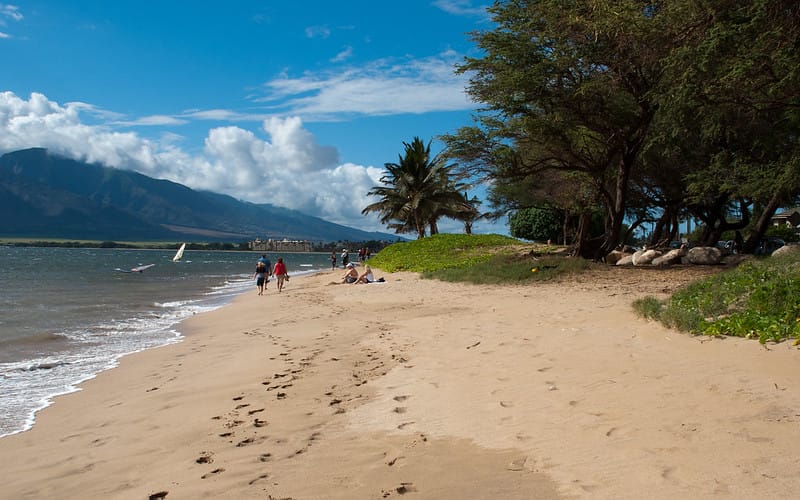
{"points": [[351, 275], [264, 270], [363, 256]]}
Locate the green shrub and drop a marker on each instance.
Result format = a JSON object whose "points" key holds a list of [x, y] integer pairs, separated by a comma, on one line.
{"points": [[441, 251], [759, 299]]}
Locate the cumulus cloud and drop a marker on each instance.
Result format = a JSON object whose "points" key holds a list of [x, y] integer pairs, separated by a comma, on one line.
{"points": [[281, 163], [384, 87]]}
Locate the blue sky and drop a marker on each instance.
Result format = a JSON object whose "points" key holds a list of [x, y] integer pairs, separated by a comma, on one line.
{"points": [[298, 104]]}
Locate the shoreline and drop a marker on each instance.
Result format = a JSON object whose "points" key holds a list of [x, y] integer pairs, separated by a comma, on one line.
{"points": [[435, 389]]}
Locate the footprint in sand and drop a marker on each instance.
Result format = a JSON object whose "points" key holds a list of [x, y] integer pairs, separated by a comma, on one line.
{"points": [[212, 473], [400, 399], [405, 488], [249, 441], [205, 458], [158, 496], [259, 478], [398, 460], [399, 409]]}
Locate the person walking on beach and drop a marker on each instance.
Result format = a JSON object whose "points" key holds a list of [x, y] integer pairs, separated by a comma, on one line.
{"points": [[345, 258], [280, 273], [268, 265], [260, 275], [333, 260]]}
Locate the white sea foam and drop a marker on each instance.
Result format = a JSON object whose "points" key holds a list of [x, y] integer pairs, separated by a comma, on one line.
{"points": [[89, 316]]}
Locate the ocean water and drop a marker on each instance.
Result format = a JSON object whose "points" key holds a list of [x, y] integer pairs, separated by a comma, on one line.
{"points": [[67, 314]]}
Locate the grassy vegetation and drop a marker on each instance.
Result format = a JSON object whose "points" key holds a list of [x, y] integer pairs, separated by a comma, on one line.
{"points": [[759, 299], [475, 259]]}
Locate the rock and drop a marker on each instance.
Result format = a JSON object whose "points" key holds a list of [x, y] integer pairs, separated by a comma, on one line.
{"points": [[706, 256], [645, 257], [614, 256], [671, 257], [625, 261], [786, 249]]}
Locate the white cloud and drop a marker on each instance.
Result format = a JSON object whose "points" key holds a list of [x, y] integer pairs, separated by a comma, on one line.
{"points": [[318, 32], [153, 120], [461, 8], [10, 12], [384, 87], [285, 167], [344, 55]]}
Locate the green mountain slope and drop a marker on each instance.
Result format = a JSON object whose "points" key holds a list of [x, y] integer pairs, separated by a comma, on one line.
{"points": [[43, 195]]}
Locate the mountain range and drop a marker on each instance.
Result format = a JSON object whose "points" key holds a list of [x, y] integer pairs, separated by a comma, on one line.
{"points": [[47, 196]]}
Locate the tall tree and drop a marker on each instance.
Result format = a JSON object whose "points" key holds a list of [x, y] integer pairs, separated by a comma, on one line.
{"points": [[735, 87], [417, 191], [566, 86]]}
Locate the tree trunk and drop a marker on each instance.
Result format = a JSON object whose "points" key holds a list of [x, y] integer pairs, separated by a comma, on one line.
{"points": [[763, 222]]}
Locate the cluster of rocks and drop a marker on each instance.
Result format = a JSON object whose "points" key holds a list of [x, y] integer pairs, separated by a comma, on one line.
{"points": [[656, 257], [707, 256]]}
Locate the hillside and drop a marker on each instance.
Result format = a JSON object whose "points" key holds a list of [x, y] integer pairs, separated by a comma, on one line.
{"points": [[43, 195]]}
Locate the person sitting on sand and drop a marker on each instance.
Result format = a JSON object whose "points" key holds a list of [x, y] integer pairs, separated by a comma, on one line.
{"points": [[351, 275], [366, 276]]}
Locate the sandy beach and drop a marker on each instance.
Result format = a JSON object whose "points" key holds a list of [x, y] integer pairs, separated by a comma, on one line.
{"points": [[423, 389]]}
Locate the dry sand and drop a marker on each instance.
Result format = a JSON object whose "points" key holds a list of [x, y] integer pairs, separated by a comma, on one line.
{"points": [[424, 389]]}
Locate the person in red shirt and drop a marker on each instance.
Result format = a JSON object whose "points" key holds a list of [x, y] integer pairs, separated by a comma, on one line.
{"points": [[280, 273]]}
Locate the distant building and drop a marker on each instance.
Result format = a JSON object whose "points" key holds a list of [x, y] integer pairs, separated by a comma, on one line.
{"points": [[283, 245], [788, 218]]}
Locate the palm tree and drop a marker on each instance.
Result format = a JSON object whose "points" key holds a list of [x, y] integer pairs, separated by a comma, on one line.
{"points": [[417, 191], [468, 213]]}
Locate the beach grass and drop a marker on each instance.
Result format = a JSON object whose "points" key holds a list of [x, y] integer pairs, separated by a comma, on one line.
{"points": [[758, 299]]}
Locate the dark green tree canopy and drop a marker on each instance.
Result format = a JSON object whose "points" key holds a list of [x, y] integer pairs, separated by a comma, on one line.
{"points": [[652, 110]]}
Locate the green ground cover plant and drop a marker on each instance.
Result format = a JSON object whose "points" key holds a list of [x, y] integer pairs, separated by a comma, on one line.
{"points": [[758, 299], [479, 259], [441, 251]]}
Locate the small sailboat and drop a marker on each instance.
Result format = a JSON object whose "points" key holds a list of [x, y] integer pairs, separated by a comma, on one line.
{"points": [[179, 253]]}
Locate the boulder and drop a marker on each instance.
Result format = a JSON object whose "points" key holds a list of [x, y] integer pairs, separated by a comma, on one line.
{"points": [[645, 257], [670, 258], [614, 256], [627, 260], [706, 256], [786, 249]]}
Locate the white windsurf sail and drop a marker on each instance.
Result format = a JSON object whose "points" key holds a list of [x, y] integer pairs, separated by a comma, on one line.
{"points": [[179, 253]]}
